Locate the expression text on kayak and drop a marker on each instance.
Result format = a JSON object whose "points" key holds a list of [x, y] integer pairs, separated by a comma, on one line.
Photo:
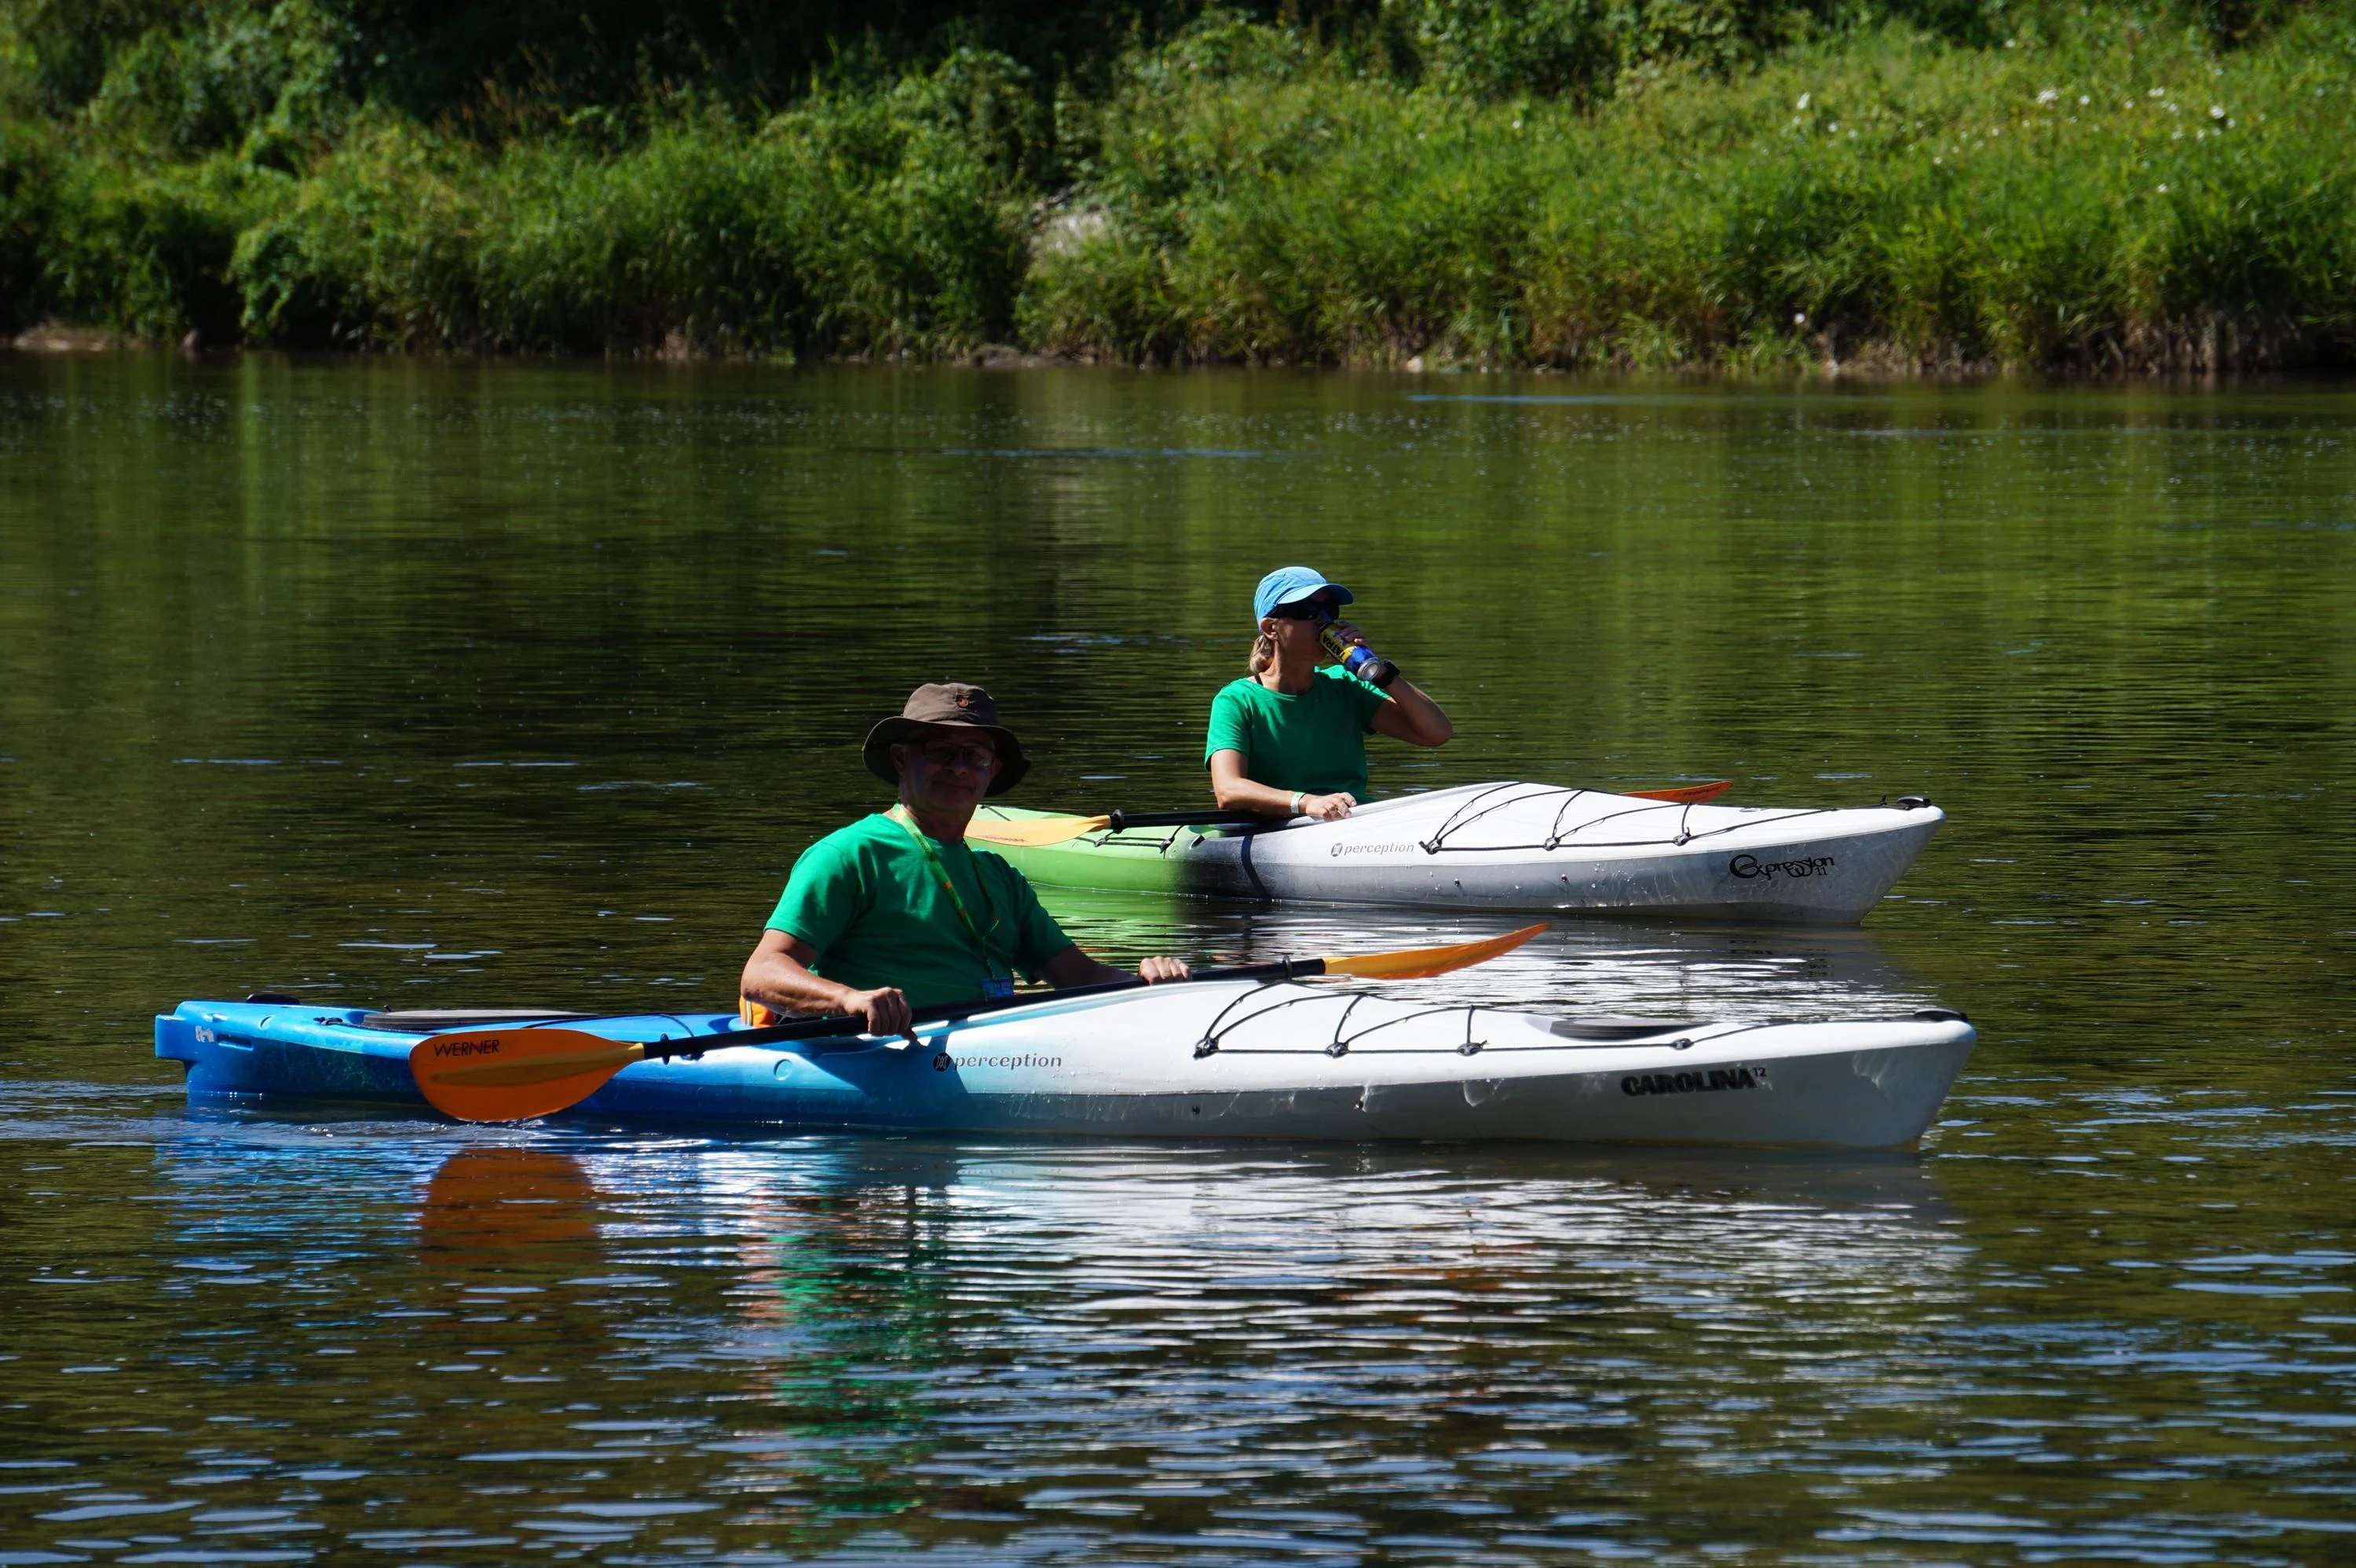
{"points": [[1749, 865]]}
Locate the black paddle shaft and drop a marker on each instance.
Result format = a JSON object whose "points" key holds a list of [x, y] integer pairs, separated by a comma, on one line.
{"points": [[839, 1024], [1126, 819]]}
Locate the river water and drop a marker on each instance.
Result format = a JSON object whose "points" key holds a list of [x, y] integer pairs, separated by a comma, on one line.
{"points": [[414, 684]]}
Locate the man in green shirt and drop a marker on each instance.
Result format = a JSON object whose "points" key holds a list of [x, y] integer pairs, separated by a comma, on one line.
{"points": [[897, 911]]}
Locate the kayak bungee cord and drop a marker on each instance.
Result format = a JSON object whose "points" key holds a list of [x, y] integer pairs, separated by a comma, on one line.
{"points": [[1213, 1043], [1473, 810], [1462, 814]]}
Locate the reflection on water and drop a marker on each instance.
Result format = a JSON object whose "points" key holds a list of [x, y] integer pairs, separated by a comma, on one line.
{"points": [[408, 684], [352, 1334], [486, 1206], [732, 1347], [1574, 967]]}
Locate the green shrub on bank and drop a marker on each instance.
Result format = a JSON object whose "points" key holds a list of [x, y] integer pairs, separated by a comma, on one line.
{"points": [[1580, 49], [93, 241], [852, 224], [28, 213], [2100, 201]]}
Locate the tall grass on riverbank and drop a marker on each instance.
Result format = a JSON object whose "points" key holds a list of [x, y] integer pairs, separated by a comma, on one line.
{"points": [[2090, 193], [853, 224], [2102, 201]]}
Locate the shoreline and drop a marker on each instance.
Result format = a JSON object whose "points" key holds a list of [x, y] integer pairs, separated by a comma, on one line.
{"points": [[1873, 366]]}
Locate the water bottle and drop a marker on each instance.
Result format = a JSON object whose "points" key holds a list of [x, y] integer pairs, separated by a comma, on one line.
{"points": [[1359, 659]]}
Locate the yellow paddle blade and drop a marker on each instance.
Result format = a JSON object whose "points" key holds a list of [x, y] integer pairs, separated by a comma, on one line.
{"points": [[1033, 832], [514, 1074], [1422, 962], [1684, 794]]}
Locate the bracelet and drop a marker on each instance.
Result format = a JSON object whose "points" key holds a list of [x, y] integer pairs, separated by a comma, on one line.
{"points": [[1297, 796]]}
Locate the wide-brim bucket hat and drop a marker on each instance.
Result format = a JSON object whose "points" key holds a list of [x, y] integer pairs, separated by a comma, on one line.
{"points": [[947, 704]]}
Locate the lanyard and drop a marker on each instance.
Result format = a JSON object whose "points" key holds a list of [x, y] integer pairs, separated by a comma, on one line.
{"points": [[941, 874]]}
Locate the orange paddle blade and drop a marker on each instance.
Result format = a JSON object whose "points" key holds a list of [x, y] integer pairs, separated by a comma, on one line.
{"points": [[1422, 962], [1684, 794], [1033, 832], [514, 1074]]}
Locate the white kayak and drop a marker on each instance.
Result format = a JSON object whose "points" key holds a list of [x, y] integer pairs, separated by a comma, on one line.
{"points": [[1210, 1059], [1519, 846]]}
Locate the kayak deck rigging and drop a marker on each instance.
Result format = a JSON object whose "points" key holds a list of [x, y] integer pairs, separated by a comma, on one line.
{"points": [[1340, 1044], [1611, 1034], [1683, 833]]}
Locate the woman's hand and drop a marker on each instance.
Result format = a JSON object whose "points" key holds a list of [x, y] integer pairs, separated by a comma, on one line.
{"points": [[1235, 791], [1154, 971], [1342, 632]]}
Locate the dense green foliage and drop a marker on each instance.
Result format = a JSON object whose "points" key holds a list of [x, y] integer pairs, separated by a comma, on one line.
{"points": [[1573, 182], [2087, 200]]}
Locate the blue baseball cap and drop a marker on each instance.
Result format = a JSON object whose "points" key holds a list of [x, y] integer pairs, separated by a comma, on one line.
{"points": [[1287, 584]]}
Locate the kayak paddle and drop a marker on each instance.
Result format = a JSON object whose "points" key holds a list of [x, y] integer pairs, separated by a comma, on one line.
{"points": [[1037, 833], [515, 1074], [1683, 794]]}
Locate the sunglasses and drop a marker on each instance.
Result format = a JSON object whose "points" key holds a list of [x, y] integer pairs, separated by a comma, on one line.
{"points": [[1302, 610], [949, 755]]}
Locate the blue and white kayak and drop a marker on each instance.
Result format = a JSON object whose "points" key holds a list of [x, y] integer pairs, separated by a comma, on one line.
{"points": [[1214, 1059]]}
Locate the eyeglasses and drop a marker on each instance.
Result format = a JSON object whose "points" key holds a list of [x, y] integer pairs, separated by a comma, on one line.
{"points": [[948, 755]]}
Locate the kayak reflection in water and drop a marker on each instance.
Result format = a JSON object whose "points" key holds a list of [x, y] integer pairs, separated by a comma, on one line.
{"points": [[897, 912], [1291, 739]]}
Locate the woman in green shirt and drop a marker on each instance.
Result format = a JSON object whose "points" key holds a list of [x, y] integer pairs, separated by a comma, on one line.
{"points": [[1289, 739]]}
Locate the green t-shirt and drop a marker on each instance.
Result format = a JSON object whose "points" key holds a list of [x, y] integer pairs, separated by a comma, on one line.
{"points": [[866, 898], [1314, 742]]}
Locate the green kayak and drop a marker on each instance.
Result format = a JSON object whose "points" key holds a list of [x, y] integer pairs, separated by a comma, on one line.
{"points": [[1539, 847]]}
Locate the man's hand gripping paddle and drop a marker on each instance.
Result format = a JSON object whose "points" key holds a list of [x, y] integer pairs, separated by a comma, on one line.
{"points": [[514, 1074]]}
